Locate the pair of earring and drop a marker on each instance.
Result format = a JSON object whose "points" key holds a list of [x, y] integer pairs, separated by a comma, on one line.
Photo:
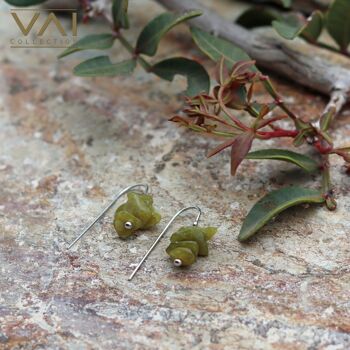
{"points": [[138, 213]]}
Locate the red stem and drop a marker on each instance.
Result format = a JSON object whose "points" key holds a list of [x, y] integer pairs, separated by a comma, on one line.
{"points": [[266, 135], [323, 149]]}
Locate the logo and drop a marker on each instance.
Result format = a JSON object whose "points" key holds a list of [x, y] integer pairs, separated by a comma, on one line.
{"points": [[41, 28]]}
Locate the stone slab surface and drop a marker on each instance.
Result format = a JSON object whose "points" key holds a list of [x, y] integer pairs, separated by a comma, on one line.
{"points": [[69, 144]]}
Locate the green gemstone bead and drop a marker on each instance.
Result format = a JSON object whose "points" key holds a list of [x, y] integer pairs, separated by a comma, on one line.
{"points": [[192, 245], [189, 242], [184, 254], [138, 213]]}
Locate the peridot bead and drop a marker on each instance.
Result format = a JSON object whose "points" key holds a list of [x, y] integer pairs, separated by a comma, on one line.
{"points": [[138, 213], [189, 242]]}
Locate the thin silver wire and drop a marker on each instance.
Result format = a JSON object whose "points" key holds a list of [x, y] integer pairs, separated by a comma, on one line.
{"points": [[103, 212], [162, 234]]}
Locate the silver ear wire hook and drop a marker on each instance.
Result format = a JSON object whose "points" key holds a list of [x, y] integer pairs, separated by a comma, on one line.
{"points": [[103, 212], [195, 223]]}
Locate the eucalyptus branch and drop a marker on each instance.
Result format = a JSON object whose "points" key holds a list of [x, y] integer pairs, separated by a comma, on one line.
{"points": [[293, 60], [211, 112]]}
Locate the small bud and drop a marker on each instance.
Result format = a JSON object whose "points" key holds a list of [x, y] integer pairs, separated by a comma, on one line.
{"points": [[331, 203]]}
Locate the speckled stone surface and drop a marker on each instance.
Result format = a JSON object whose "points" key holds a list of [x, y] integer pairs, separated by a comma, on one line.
{"points": [[69, 144]]}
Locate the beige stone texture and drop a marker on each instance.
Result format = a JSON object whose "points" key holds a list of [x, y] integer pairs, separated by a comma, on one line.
{"points": [[69, 144]]}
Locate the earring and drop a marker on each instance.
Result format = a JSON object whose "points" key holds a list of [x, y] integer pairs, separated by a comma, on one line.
{"points": [[186, 244], [137, 213]]}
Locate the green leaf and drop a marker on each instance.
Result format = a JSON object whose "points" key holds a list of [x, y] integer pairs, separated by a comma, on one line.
{"points": [[24, 3], [90, 42], [148, 40], [273, 204], [120, 14], [197, 77], [314, 27], [102, 66], [304, 162], [300, 138], [338, 23], [215, 47], [288, 30], [286, 3], [257, 17], [292, 26], [327, 118]]}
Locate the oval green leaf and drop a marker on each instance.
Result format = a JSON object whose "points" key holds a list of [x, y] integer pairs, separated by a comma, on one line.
{"points": [[286, 3], [24, 3], [314, 27], [90, 42], [304, 162], [292, 26], [288, 30], [120, 14], [197, 77], [148, 40], [102, 66], [215, 47], [274, 203], [338, 23], [327, 118]]}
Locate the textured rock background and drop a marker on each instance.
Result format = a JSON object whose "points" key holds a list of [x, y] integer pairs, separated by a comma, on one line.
{"points": [[69, 144]]}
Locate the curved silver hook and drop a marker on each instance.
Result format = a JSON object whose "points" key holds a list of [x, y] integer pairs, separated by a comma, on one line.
{"points": [[104, 210], [195, 223]]}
